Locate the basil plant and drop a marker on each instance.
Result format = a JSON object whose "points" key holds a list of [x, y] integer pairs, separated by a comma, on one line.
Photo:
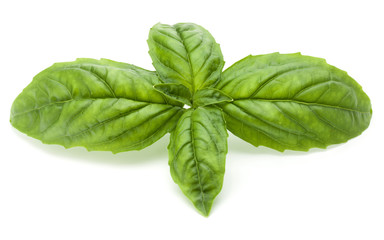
{"points": [[281, 101]]}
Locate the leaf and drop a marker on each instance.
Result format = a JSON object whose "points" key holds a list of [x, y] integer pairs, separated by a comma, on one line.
{"points": [[175, 91], [209, 96], [185, 53], [197, 155], [290, 101], [97, 104]]}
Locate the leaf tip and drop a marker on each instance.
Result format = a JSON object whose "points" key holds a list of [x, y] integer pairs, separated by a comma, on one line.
{"points": [[204, 209]]}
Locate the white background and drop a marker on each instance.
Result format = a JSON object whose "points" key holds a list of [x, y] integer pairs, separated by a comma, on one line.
{"points": [[47, 192]]}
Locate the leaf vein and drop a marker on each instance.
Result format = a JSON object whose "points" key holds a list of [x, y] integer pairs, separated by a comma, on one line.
{"points": [[102, 123], [303, 103], [170, 49], [275, 76], [197, 163], [324, 120], [129, 129]]}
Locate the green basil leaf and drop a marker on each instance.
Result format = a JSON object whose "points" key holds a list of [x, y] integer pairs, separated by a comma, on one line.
{"points": [[97, 104], [290, 101], [175, 91], [185, 53], [209, 96], [197, 155]]}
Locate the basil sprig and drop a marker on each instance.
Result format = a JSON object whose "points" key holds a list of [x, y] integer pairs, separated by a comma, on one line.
{"points": [[282, 101]]}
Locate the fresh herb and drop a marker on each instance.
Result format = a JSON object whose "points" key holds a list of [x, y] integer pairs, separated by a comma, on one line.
{"points": [[281, 101]]}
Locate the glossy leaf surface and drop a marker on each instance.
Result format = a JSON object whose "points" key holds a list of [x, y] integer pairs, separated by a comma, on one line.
{"points": [[197, 155], [97, 104], [281, 101], [290, 101], [185, 53]]}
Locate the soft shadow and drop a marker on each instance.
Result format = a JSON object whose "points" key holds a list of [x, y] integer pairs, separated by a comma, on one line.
{"points": [[157, 151]]}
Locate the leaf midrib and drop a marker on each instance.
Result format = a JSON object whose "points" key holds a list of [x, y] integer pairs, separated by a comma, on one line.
{"points": [[188, 59], [82, 99], [197, 162], [303, 103]]}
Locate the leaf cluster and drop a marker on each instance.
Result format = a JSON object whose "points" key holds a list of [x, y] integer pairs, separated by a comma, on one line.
{"points": [[281, 101]]}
